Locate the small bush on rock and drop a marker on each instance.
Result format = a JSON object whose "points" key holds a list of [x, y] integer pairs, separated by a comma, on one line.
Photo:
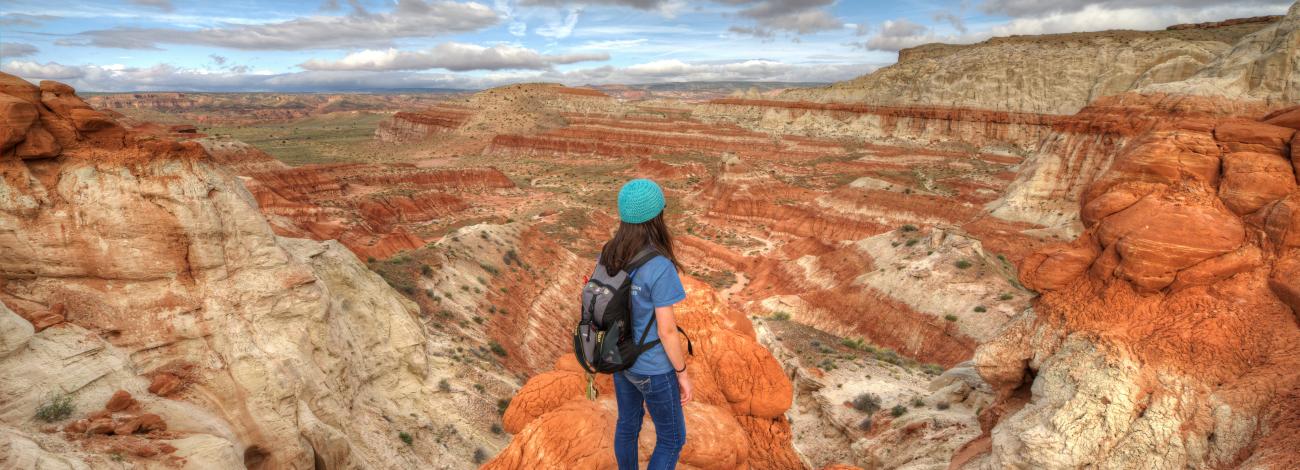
{"points": [[59, 407], [867, 403]]}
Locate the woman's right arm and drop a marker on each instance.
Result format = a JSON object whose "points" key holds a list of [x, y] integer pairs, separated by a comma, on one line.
{"points": [[666, 323]]}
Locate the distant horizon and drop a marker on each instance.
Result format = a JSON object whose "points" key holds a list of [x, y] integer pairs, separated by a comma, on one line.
{"points": [[385, 46], [451, 90]]}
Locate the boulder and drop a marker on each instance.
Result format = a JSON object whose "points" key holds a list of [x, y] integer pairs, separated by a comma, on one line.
{"points": [[1285, 282], [120, 401], [16, 117], [1055, 267], [1253, 136], [1252, 180], [1282, 221]]}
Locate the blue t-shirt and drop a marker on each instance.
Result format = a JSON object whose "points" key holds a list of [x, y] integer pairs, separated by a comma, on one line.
{"points": [[654, 284]]}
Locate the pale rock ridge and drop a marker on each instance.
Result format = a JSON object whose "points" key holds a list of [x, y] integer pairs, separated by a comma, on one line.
{"points": [[1263, 66], [1025, 73]]}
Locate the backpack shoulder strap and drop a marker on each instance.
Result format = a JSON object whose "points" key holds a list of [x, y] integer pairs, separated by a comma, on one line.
{"points": [[641, 259]]}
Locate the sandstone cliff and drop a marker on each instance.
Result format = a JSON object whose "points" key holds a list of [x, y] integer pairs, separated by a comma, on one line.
{"points": [[736, 421], [130, 261], [1166, 336], [1052, 74]]}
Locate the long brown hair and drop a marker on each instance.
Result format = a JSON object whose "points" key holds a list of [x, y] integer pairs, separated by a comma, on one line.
{"points": [[631, 238]]}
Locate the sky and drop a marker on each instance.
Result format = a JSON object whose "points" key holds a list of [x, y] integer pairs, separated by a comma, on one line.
{"points": [[375, 45]]}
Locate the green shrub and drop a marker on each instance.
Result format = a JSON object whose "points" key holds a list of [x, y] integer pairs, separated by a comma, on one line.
{"points": [[780, 315], [911, 242], [942, 405], [502, 404], [962, 264], [480, 455], [981, 308], [932, 369], [479, 387], [898, 410], [950, 317], [917, 402], [58, 408], [908, 228], [496, 429], [489, 268], [426, 270], [867, 403], [1006, 296], [444, 386], [405, 437], [497, 348], [855, 343]]}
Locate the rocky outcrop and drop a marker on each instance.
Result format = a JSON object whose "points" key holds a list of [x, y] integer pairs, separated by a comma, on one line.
{"points": [[736, 420], [292, 353], [1024, 73], [1170, 322]]}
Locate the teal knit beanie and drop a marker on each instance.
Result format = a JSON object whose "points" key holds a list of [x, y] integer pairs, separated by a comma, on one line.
{"points": [[639, 201]]}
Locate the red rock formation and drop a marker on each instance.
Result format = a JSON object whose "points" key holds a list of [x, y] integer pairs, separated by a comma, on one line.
{"points": [[736, 420], [1174, 314]]}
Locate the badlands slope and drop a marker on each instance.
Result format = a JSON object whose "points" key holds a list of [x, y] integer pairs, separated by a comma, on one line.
{"points": [[1092, 271]]}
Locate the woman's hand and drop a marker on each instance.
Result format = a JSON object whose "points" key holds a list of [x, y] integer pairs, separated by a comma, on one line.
{"points": [[684, 384]]}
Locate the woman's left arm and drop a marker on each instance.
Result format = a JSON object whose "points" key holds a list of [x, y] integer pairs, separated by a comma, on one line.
{"points": [[666, 323]]}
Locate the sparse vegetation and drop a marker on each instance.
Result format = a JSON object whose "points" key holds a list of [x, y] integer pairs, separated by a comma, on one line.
{"points": [[780, 315], [908, 228], [58, 408], [502, 404], [406, 437], [981, 308], [497, 348], [496, 429], [912, 241], [917, 402], [950, 317], [898, 410], [444, 386], [1006, 296], [932, 369], [942, 405], [867, 403], [962, 264], [865, 424], [480, 455]]}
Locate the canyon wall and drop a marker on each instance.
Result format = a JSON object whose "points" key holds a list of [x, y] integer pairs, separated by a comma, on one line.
{"points": [[1025, 73], [130, 262]]}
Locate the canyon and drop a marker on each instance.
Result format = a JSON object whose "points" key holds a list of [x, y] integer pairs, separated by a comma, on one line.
{"points": [[965, 260]]}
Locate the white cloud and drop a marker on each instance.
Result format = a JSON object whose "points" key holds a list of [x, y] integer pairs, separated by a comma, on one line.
{"points": [[409, 18], [561, 29], [48, 70], [452, 56], [1022, 8]]}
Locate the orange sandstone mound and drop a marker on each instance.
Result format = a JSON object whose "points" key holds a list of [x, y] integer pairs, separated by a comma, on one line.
{"points": [[1171, 322], [736, 421]]}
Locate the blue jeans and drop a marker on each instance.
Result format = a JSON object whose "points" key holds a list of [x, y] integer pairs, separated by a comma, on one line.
{"points": [[660, 395]]}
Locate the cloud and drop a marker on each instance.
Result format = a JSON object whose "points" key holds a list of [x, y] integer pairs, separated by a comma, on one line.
{"points": [[329, 5], [950, 18], [409, 18], [798, 16], [563, 29], [452, 56], [48, 70], [899, 34], [755, 31], [1022, 8], [164, 5], [165, 77], [218, 59], [20, 19], [10, 50], [638, 4]]}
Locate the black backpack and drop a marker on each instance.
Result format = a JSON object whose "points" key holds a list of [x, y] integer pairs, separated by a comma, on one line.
{"points": [[603, 340]]}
